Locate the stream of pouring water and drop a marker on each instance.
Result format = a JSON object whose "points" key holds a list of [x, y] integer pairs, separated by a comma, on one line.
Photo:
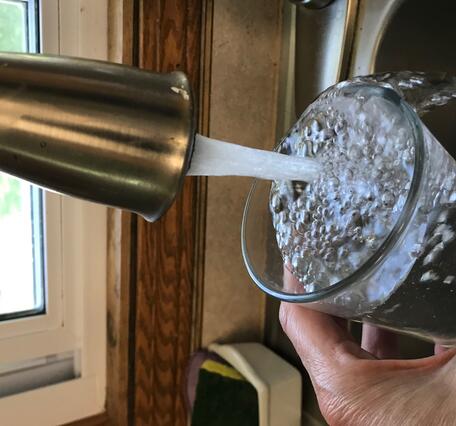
{"points": [[212, 157]]}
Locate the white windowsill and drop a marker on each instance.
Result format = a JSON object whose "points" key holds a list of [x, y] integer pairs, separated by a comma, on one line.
{"points": [[76, 238]]}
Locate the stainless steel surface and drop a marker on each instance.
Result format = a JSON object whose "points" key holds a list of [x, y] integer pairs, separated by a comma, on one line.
{"points": [[409, 35], [322, 51], [313, 4], [323, 40], [389, 35], [322, 47], [98, 131]]}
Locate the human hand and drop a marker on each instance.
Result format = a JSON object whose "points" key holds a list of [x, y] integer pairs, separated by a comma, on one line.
{"points": [[363, 385]]}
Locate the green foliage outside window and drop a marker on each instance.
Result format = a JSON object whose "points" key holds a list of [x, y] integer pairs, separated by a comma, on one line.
{"points": [[13, 27], [13, 38], [10, 195]]}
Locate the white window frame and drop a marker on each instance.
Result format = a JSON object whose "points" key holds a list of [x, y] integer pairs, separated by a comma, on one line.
{"points": [[76, 248]]}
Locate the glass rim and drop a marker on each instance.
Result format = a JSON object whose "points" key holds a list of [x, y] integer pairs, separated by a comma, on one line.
{"points": [[389, 242]]}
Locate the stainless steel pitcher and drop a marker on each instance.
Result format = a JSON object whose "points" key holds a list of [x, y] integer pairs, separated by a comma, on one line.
{"points": [[102, 132]]}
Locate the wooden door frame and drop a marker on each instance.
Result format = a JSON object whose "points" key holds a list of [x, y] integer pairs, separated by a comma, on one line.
{"points": [[155, 271]]}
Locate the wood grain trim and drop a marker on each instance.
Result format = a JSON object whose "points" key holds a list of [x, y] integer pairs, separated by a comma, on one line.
{"points": [[121, 301], [156, 270], [98, 420], [201, 189], [167, 251], [130, 31], [121, 295]]}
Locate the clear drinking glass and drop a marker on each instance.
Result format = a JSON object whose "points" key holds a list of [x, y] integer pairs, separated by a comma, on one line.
{"points": [[408, 284]]}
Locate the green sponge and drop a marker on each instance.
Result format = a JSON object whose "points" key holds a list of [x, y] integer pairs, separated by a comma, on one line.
{"points": [[224, 397]]}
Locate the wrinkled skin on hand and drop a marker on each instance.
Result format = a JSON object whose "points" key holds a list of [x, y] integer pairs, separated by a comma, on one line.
{"points": [[365, 385]]}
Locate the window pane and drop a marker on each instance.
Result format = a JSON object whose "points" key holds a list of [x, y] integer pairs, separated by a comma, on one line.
{"points": [[21, 213], [13, 26], [17, 269]]}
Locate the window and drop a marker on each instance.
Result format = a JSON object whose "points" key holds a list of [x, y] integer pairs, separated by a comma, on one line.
{"points": [[22, 278], [52, 252], [18, 25], [22, 284]]}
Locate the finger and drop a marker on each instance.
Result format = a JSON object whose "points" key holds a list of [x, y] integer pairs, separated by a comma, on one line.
{"points": [[312, 332], [290, 283], [318, 339], [379, 342]]}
